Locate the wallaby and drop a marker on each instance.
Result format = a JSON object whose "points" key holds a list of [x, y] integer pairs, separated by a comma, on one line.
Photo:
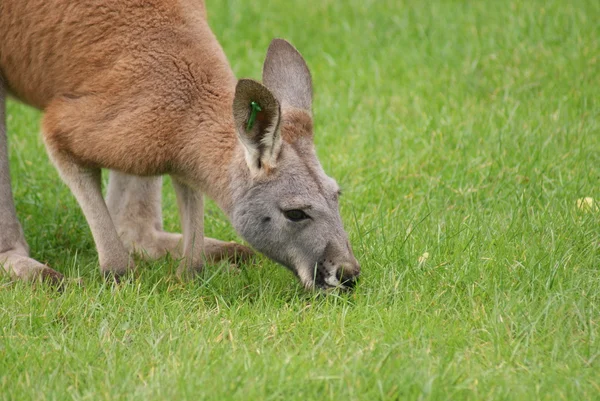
{"points": [[143, 88]]}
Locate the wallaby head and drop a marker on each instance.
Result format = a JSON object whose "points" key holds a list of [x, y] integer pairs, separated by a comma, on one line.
{"points": [[284, 204]]}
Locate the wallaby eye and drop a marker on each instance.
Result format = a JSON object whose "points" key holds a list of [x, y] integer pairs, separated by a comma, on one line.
{"points": [[295, 215]]}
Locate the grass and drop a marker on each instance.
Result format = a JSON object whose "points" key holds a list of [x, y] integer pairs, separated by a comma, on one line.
{"points": [[463, 134]]}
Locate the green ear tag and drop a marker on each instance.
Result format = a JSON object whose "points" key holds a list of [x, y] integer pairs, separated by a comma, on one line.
{"points": [[255, 109]]}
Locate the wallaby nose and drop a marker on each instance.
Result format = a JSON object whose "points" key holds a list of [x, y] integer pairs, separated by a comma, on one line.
{"points": [[348, 274]]}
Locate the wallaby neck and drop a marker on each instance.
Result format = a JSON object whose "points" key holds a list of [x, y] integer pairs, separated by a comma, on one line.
{"points": [[212, 151]]}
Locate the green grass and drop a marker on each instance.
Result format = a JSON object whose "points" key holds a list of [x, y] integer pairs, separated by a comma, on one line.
{"points": [[465, 130]]}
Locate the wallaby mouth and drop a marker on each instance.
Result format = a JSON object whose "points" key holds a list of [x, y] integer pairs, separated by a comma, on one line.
{"points": [[338, 280], [347, 280], [337, 268], [327, 275]]}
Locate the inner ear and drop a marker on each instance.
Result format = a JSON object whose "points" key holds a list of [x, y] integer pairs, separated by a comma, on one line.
{"points": [[257, 115]]}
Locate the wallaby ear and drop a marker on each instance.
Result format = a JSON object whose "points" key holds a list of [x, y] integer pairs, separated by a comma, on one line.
{"points": [[285, 73], [256, 114]]}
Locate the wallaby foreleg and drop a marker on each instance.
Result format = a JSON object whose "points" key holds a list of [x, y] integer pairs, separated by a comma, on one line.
{"points": [[85, 184], [134, 204], [191, 210]]}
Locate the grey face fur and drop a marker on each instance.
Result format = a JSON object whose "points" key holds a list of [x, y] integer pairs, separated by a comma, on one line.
{"points": [[289, 209]]}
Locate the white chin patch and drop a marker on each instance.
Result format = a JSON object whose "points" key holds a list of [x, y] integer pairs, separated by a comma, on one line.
{"points": [[332, 281]]}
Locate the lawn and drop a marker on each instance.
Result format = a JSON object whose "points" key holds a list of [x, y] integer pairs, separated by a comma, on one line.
{"points": [[463, 134]]}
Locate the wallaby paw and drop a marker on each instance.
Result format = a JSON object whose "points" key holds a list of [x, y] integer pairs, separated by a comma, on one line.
{"points": [[155, 245], [116, 267], [50, 276], [216, 251], [188, 270], [240, 254], [28, 269]]}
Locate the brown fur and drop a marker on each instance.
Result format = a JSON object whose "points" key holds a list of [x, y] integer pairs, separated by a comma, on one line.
{"points": [[297, 124], [142, 87], [113, 102]]}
